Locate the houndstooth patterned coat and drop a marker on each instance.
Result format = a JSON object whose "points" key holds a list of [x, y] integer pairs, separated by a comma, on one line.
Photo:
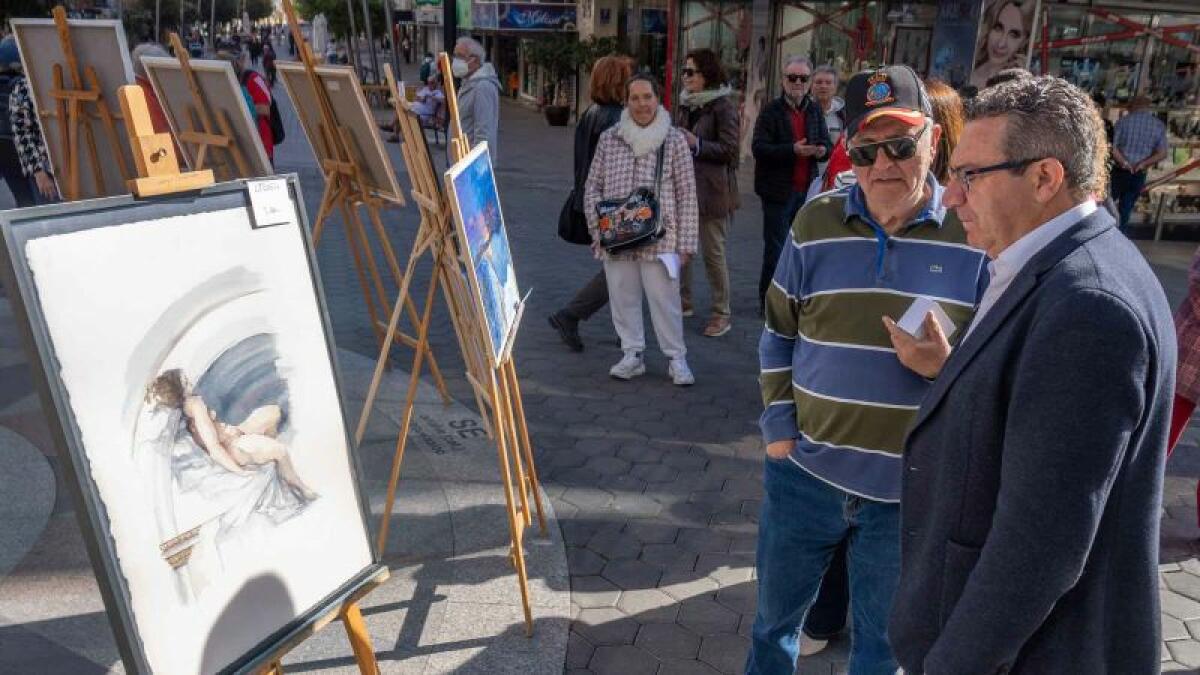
{"points": [[616, 172]]}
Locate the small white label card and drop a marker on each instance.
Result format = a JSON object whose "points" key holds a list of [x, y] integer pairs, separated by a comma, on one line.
{"points": [[270, 202], [913, 321]]}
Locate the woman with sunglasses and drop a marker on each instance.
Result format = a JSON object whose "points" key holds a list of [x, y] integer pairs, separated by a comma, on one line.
{"points": [[790, 138], [709, 122]]}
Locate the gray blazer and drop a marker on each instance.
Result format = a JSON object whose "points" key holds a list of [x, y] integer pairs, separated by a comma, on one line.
{"points": [[1033, 475]]}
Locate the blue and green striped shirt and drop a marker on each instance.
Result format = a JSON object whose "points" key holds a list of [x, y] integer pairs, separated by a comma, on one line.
{"points": [[830, 377]]}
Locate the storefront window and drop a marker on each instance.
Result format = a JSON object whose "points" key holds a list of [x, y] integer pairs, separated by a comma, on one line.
{"points": [[645, 22], [848, 45], [722, 26]]}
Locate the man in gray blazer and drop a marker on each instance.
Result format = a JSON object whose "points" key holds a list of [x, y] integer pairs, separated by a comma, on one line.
{"points": [[1033, 472]]}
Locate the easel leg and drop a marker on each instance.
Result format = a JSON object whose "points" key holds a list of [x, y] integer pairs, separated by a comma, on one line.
{"points": [[274, 668], [354, 228], [327, 201], [510, 432], [515, 527], [510, 370], [360, 639]]}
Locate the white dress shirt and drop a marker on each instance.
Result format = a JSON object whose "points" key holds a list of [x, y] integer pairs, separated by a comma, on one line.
{"points": [[1013, 259]]}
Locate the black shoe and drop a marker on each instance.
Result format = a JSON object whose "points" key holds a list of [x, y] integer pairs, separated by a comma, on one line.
{"points": [[568, 330]]}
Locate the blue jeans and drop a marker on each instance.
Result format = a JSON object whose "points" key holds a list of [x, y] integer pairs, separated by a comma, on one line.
{"points": [[1126, 188], [777, 223], [803, 520]]}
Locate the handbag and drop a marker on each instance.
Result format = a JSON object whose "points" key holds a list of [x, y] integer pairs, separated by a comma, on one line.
{"points": [[634, 221], [572, 226]]}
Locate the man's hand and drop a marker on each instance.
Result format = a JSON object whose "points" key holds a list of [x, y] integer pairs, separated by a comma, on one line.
{"points": [[926, 356], [802, 149], [780, 449], [690, 138]]}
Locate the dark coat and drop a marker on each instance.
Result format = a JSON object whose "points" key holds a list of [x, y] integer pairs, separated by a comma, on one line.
{"points": [[716, 125], [594, 121], [774, 158], [1033, 475]]}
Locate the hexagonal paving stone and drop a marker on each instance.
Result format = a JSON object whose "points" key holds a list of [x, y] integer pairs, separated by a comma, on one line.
{"points": [[742, 598], [578, 477], [668, 640], [685, 585], [587, 497], [605, 626], [615, 545], [640, 454], [592, 447], [668, 556], [582, 562], [654, 473], [1173, 629], [593, 591], [631, 574], [706, 617], [1186, 652], [726, 653], [702, 541], [579, 651], [608, 466], [1178, 606], [653, 533], [635, 505], [649, 605], [624, 660], [685, 667]]}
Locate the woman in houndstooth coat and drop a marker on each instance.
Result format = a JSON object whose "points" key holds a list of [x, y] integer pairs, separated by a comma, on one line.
{"points": [[626, 157]]}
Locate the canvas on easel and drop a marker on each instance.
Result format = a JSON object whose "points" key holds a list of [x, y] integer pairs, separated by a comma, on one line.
{"points": [[75, 67], [224, 106], [191, 391]]}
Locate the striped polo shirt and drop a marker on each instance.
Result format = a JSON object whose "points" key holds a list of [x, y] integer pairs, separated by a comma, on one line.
{"points": [[830, 377]]}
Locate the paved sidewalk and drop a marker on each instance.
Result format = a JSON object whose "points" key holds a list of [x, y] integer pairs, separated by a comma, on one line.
{"points": [[656, 488]]}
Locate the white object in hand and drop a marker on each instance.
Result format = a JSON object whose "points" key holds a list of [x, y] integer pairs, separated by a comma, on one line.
{"points": [[913, 321]]}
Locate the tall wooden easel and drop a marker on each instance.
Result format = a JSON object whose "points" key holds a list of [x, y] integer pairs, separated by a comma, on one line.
{"points": [[346, 189], [208, 129], [158, 174], [497, 390], [74, 108]]}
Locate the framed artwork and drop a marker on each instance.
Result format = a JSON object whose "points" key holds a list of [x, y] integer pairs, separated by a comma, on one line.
{"points": [[191, 386], [352, 113], [954, 41], [911, 47], [1006, 35], [222, 93], [471, 187], [99, 44]]}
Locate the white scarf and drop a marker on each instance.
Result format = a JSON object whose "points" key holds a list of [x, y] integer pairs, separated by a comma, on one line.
{"points": [[644, 140]]}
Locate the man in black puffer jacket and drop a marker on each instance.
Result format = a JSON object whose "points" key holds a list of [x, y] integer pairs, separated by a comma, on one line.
{"points": [[790, 138]]}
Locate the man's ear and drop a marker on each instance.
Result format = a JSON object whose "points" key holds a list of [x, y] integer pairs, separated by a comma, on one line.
{"points": [[1048, 176]]}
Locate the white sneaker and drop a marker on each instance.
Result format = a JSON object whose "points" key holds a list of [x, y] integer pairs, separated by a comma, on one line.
{"points": [[630, 366], [810, 646], [681, 375]]}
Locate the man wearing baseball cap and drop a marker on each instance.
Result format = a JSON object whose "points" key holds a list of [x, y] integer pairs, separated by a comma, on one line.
{"points": [[837, 398]]}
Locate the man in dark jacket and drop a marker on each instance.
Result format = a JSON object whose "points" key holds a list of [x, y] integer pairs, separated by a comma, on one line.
{"points": [[1033, 472], [790, 138]]}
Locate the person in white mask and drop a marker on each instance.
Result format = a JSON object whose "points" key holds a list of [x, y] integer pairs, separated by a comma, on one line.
{"points": [[478, 95]]}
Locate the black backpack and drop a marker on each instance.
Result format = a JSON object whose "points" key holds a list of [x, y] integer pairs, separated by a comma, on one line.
{"points": [[277, 132]]}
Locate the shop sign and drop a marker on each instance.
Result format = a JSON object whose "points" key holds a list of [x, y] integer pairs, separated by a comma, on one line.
{"points": [[522, 16], [429, 15]]}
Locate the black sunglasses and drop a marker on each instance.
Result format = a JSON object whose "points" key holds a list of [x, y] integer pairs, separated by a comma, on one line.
{"points": [[688, 72], [897, 149], [796, 78]]}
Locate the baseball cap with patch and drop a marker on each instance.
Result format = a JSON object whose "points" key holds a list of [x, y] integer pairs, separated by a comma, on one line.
{"points": [[891, 91]]}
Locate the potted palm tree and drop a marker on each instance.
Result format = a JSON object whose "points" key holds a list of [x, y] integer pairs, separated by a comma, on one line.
{"points": [[559, 54]]}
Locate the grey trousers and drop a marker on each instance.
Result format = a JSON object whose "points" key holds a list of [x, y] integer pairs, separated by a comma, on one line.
{"points": [[589, 299]]}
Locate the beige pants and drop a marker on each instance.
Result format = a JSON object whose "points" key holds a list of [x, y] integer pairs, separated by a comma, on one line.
{"points": [[713, 232], [627, 282]]}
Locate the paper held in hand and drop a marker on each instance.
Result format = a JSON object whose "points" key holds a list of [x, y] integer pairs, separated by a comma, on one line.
{"points": [[913, 321]]}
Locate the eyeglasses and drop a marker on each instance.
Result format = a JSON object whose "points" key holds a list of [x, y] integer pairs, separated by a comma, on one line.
{"points": [[897, 149], [964, 176], [688, 72], [793, 78]]}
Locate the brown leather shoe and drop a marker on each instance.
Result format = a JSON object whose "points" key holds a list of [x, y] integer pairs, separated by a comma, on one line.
{"points": [[717, 326]]}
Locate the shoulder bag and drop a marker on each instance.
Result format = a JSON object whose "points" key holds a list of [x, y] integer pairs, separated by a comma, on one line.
{"points": [[636, 220]]}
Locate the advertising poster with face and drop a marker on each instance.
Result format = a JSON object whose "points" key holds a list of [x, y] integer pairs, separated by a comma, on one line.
{"points": [[1005, 37]]}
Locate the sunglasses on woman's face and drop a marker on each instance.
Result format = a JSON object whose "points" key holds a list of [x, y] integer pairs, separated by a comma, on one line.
{"points": [[688, 72], [793, 78], [897, 149]]}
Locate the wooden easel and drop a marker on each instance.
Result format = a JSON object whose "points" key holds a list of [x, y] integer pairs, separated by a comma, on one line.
{"points": [[158, 174], [74, 108], [346, 189], [497, 390], [207, 129]]}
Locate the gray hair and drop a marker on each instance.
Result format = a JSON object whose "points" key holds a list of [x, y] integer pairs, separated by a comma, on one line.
{"points": [[792, 60], [826, 68], [1050, 117], [473, 47], [145, 49]]}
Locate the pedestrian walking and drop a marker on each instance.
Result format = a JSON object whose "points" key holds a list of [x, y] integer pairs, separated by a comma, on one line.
{"points": [[709, 121], [607, 91], [1139, 142], [258, 97], [32, 155], [478, 96], [1034, 468], [10, 159], [790, 138], [837, 400], [427, 67], [644, 150], [268, 60]]}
